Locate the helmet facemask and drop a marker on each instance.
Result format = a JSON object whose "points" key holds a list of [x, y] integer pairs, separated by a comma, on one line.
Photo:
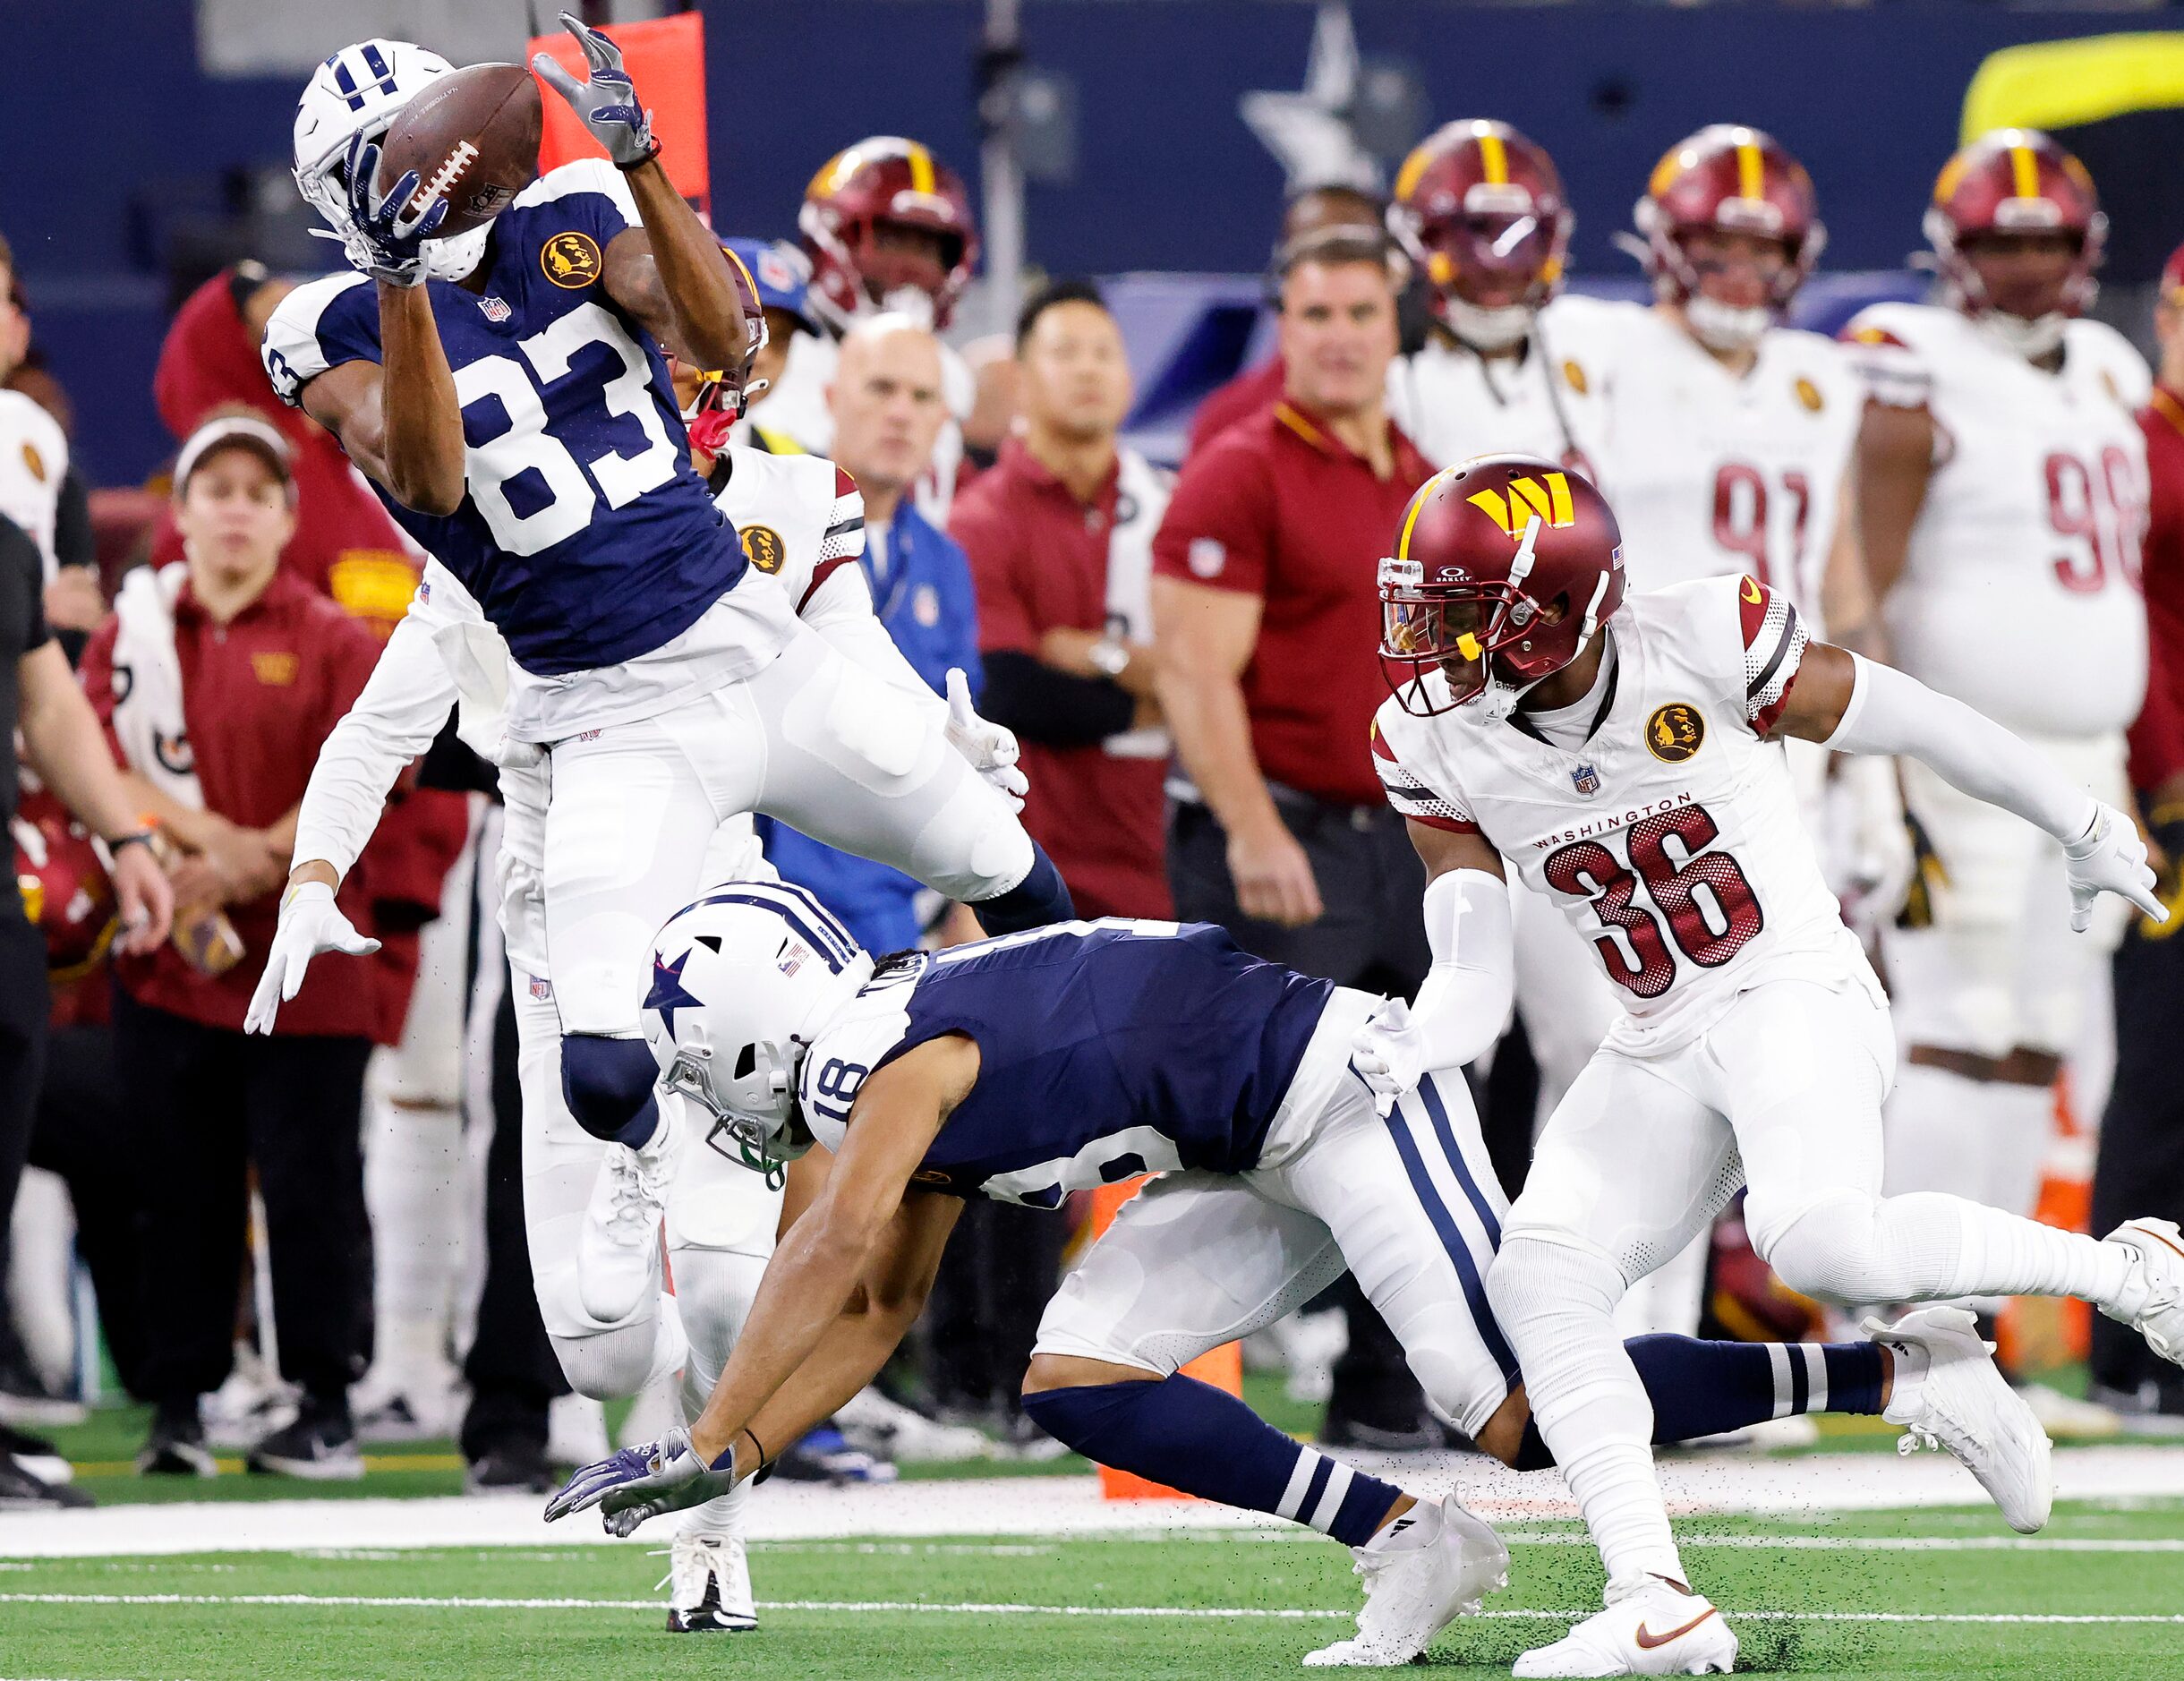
{"points": [[753, 1104]]}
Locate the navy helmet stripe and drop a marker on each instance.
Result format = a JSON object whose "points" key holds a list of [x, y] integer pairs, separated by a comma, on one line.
{"points": [[1438, 1112], [347, 82], [788, 914], [1452, 1240], [376, 63], [842, 941]]}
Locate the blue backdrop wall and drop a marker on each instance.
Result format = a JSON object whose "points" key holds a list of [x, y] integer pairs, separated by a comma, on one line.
{"points": [[118, 141]]}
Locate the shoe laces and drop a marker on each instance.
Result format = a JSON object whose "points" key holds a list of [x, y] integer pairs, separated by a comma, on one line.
{"points": [[634, 1206]]}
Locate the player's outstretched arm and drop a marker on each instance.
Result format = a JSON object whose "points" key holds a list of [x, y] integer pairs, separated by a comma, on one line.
{"points": [[1853, 704], [353, 401], [671, 274], [1465, 997]]}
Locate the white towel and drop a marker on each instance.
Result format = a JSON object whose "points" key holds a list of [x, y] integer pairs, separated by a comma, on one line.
{"points": [[148, 715], [1142, 498]]}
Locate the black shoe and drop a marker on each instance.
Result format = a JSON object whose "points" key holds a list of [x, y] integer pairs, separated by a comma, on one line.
{"points": [[511, 1468], [18, 1486], [175, 1447], [320, 1445], [35, 1455]]}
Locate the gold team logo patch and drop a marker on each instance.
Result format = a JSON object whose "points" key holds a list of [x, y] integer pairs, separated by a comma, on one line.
{"points": [[34, 461], [763, 547], [571, 260], [1573, 376], [275, 670], [1675, 732], [1809, 395]]}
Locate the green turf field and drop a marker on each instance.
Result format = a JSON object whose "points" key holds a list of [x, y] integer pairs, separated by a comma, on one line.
{"points": [[1923, 1592]]}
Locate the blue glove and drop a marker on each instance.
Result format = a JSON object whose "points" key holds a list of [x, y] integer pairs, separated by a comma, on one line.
{"points": [[642, 1482], [386, 234], [607, 104]]}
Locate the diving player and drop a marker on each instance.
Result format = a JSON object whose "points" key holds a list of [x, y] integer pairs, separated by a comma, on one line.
{"points": [[1625, 756], [1064, 1058], [668, 689]]}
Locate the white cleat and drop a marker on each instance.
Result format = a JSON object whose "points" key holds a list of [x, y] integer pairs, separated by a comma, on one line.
{"points": [[1946, 1393], [1659, 1627], [618, 1252], [1431, 1565], [2153, 1303], [709, 1585]]}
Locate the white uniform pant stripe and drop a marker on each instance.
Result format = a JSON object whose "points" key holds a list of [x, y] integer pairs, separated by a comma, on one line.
{"points": [[1815, 1376]]}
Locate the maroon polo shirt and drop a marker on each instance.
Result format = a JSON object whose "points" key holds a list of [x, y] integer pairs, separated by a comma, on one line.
{"points": [[1276, 507], [1240, 399], [260, 695], [1039, 559], [2157, 738]]}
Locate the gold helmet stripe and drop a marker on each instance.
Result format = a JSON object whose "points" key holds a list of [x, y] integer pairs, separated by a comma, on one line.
{"points": [[1418, 506], [1750, 171], [921, 169], [2025, 172], [1493, 157]]}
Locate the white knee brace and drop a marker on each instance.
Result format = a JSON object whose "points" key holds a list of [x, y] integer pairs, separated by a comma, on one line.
{"points": [[619, 1360]]}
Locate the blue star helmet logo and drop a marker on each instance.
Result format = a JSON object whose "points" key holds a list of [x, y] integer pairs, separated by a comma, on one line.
{"points": [[667, 993]]}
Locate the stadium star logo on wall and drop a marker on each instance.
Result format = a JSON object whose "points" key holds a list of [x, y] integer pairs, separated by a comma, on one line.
{"points": [[1309, 132], [667, 993]]}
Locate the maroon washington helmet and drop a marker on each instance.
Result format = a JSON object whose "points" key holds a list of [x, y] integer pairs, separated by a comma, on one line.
{"points": [[65, 891], [1504, 567], [1478, 205], [880, 181], [724, 393], [1728, 179], [2010, 181]]}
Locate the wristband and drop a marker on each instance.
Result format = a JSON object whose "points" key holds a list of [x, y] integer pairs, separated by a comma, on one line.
{"points": [[652, 150], [135, 838]]}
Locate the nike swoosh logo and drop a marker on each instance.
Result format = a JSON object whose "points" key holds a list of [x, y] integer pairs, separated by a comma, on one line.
{"points": [[1648, 1639]]}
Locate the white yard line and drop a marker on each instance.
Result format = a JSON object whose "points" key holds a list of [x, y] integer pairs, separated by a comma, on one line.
{"points": [[974, 1608], [1062, 1508]]}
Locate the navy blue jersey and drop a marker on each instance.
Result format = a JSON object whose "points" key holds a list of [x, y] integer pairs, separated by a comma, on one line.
{"points": [[1105, 1050], [586, 535]]}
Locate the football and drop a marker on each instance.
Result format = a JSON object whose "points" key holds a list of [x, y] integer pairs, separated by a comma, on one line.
{"points": [[477, 134]]}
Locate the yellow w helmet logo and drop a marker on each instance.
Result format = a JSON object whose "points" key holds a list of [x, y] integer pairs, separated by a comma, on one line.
{"points": [[1547, 496]]}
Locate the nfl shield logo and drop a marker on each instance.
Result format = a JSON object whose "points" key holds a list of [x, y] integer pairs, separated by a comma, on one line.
{"points": [[1586, 780], [542, 989], [496, 310]]}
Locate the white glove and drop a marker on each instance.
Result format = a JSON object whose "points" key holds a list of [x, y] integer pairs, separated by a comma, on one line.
{"points": [[1389, 1053], [991, 749], [1879, 858], [2109, 858], [310, 923]]}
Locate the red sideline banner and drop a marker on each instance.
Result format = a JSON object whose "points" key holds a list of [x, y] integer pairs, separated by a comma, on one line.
{"points": [[666, 60]]}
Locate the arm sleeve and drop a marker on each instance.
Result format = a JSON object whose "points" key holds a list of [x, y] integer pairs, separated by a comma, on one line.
{"points": [[1890, 712], [1464, 1002], [74, 544], [1412, 796], [402, 707], [1055, 708], [1216, 530]]}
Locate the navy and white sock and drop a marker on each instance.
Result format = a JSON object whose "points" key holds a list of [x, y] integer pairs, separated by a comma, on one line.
{"points": [[1700, 1388], [1203, 1440]]}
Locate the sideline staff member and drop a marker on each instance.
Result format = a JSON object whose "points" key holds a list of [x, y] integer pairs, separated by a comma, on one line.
{"points": [[1266, 616], [235, 673]]}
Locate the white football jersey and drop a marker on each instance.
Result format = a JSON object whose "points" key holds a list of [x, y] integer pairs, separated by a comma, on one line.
{"points": [[33, 457], [798, 517], [1715, 473], [2019, 593], [1670, 837], [1454, 404]]}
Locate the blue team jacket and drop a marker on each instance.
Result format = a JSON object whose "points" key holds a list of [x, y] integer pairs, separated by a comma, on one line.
{"points": [[921, 589]]}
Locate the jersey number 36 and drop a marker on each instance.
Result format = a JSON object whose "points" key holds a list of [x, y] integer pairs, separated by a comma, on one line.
{"points": [[1710, 907]]}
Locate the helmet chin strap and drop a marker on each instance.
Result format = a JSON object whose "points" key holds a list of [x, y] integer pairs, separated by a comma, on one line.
{"points": [[1484, 329], [1720, 326]]}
